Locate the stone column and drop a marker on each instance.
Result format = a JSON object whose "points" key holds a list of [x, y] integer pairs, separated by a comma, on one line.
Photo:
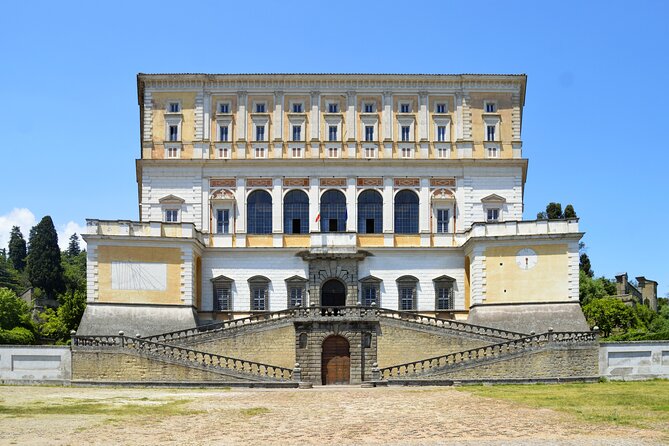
{"points": [[241, 129]]}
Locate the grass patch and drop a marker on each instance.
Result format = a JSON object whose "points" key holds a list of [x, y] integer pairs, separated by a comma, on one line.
{"points": [[97, 407], [253, 411], [641, 404]]}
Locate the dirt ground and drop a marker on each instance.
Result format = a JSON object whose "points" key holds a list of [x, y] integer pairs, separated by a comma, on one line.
{"points": [[322, 416]]}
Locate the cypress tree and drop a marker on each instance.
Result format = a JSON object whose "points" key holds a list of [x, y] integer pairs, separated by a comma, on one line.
{"points": [[554, 211], [44, 266], [569, 212], [17, 249], [73, 248]]}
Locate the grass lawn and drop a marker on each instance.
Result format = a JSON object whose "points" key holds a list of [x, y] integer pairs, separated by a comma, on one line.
{"points": [[641, 404]]}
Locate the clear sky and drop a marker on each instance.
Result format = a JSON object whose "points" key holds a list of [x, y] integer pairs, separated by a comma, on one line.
{"points": [[593, 124]]}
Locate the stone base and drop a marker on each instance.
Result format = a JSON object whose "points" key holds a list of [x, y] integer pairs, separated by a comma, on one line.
{"points": [[109, 319], [528, 317]]}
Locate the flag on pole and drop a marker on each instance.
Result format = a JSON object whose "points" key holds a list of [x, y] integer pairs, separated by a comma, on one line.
{"points": [[318, 217]]}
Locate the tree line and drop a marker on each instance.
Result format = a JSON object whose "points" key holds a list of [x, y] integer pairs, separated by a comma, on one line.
{"points": [[54, 276]]}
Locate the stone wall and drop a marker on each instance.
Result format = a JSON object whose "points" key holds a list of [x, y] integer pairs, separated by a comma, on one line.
{"points": [[400, 342], [109, 365], [269, 345], [634, 360], [34, 364], [547, 362]]}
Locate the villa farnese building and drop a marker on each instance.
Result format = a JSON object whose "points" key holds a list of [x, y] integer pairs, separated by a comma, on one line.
{"points": [[323, 211]]}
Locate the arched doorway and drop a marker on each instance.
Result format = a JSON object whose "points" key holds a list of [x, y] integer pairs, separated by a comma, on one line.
{"points": [[335, 361], [333, 294]]}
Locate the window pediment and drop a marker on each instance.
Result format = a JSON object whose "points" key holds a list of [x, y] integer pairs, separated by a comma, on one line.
{"points": [[443, 195], [259, 280], [296, 280], [222, 280], [407, 279], [371, 279], [493, 198], [222, 195], [443, 278], [171, 199]]}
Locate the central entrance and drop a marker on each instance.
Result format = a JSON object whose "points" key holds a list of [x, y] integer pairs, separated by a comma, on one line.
{"points": [[333, 294], [335, 361]]}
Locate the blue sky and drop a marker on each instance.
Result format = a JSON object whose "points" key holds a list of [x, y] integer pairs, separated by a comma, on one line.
{"points": [[594, 118]]}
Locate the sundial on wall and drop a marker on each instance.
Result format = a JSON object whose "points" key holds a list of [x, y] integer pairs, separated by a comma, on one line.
{"points": [[526, 258]]}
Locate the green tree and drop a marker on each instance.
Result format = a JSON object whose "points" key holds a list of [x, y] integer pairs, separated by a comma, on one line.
{"points": [[44, 263], [590, 288], [554, 211], [74, 273], [57, 324], [569, 212], [9, 277], [17, 249], [608, 314], [584, 265], [73, 248], [16, 325]]}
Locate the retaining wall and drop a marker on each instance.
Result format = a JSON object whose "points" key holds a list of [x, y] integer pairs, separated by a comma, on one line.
{"points": [[635, 360], [35, 364]]}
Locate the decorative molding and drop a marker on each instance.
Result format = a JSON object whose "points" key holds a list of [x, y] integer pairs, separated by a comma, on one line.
{"points": [[370, 182], [222, 195], [223, 182], [258, 182], [442, 182], [171, 199], [296, 182], [333, 182], [407, 182], [443, 194], [493, 198]]}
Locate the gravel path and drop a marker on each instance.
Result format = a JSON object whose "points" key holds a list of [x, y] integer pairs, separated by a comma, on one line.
{"points": [[322, 416]]}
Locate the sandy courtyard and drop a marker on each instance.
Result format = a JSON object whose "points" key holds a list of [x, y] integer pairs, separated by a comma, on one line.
{"points": [[332, 415]]}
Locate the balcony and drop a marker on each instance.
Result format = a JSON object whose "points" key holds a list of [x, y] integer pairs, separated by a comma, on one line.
{"points": [[524, 228]]}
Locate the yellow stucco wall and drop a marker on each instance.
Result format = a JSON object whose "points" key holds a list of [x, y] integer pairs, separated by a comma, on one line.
{"points": [[546, 282], [371, 240], [296, 241], [404, 241], [170, 256], [504, 111], [259, 241], [160, 101]]}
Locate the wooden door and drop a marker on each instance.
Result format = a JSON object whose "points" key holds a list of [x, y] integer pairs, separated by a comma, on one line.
{"points": [[336, 361]]}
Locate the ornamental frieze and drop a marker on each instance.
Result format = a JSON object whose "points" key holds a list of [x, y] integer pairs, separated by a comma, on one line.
{"points": [[223, 182], [333, 182], [442, 182], [296, 182], [258, 182], [407, 182], [370, 182]]}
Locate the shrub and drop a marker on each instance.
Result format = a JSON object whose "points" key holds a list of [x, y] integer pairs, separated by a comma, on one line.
{"points": [[17, 335]]}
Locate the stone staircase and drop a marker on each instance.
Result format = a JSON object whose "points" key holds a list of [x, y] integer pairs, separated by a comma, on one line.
{"points": [[441, 365], [173, 354]]}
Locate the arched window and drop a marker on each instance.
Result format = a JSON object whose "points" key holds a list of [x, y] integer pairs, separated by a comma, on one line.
{"points": [[406, 212], [407, 287], [259, 212], [259, 288], [296, 212], [333, 211], [370, 212]]}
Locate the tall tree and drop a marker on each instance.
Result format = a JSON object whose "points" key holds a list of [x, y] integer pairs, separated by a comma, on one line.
{"points": [[17, 249], [73, 248], [554, 211], [584, 265], [44, 266], [569, 211]]}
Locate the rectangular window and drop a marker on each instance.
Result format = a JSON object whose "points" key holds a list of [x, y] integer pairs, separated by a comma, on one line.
{"points": [[224, 152], [297, 108], [369, 107], [332, 133], [174, 133], [333, 108], [223, 133], [260, 152], [490, 133], [296, 297], [370, 293], [174, 107], [441, 108], [223, 221], [442, 220], [405, 108], [333, 152], [444, 296], [442, 152], [370, 152], [259, 295], [407, 152], [493, 214], [493, 152], [369, 133], [297, 133], [407, 293], [296, 152], [260, 133], [172, 215], [406, 132], [260, 107], [441, 133], [173, 152], [224, 108], [490, 107], [222, 298]]}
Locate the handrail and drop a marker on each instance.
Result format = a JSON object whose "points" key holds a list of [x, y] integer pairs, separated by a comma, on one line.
{"points": [[451, 324], [348, 311], [424, 366], [187, 355]]}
